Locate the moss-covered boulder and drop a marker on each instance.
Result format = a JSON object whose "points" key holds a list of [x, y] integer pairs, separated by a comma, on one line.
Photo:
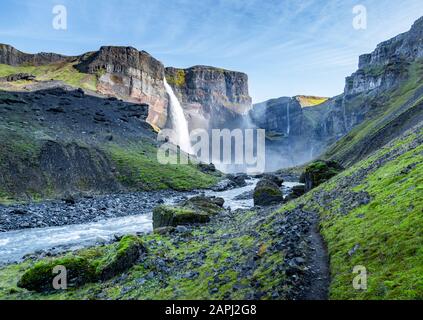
{"points": [[172, 216], [86, 266], [40, 277], [266, 193], [319, 172], [125, 254], [210, 205]]}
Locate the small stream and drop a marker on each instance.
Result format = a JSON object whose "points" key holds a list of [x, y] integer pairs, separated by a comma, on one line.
{"points": [[14, 245]]}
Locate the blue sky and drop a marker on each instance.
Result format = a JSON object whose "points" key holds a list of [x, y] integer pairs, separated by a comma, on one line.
{"points": [[287, 47]]}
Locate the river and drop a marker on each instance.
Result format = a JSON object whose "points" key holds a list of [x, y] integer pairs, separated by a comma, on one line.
{"points": [[14, 245]]}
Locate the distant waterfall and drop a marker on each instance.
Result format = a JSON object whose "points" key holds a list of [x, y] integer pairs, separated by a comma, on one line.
{"points": [[179, 123], [288, 129]]}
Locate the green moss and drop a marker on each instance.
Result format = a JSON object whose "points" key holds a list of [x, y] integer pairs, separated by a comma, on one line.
{"points": [[40, 277], [139, 169], [387, 231], [164, 216], [177, 79], [85, 266], [62, 71]]}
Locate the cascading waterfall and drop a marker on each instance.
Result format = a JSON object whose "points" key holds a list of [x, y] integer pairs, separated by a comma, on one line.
{"points": [[288, 129], [179, 123]]}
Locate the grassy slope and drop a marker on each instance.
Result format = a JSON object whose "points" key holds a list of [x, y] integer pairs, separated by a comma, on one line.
{"points": [[388, 231], [63, 71], [395, 101]]}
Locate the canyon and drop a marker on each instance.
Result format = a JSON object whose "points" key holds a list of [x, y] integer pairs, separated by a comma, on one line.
{"points": [[78, 141]]}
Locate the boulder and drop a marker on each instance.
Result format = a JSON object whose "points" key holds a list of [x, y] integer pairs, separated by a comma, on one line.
{"points": [[267, 193], [207, 168], [274, 178], [224, 185], [121, 258], [210, 205], [84, 267], [297, 191], [198, 209], [168, 216], [319, 172], [238, 179]]}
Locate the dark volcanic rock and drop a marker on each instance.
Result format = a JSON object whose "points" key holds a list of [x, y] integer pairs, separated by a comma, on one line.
{"points": [[14, 57], [267, 193], [17, 77], [319, 172], [198, 209]]}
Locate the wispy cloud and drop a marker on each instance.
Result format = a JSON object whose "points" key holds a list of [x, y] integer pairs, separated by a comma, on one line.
{"points": [[286, 46]]}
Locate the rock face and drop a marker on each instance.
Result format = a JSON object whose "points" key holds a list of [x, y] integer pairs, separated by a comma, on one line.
{"points": [[129, 74], [11, 56], [386, 66], [310, 131], [211, 97]]}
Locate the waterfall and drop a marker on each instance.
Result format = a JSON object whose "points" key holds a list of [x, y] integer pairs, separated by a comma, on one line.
{"points": [[288, 129], [179, 123]]}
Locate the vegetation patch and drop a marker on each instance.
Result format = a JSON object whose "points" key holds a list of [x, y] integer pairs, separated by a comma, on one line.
{"points": [[139, 169], [63, 71], [383, 230]]}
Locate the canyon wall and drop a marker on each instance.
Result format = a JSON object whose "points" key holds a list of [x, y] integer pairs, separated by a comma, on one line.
{"points": [[385, 79], [211, 97]]}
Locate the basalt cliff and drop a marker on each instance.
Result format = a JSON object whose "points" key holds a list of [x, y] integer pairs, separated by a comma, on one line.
{"points": [[381, 100], [207, 94]]}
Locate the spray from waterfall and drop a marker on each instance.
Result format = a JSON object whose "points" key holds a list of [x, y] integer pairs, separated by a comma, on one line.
{"points": [[179, 123], [288, 129]]}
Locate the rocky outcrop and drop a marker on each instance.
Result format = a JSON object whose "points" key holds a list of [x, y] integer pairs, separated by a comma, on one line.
{"points": [[129, 74], [11, 56], [211, 97], [195, 210], [312, 130], [18, 77], [387, 66], [319, 172]]}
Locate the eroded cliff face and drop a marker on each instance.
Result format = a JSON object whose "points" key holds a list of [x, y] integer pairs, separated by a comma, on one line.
{"points": [[211, 97], [11, 56], [369, 92], [386, 66], [131, 75]]}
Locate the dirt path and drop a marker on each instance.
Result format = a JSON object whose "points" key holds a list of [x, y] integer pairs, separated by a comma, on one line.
{"points": [[319, 279]]}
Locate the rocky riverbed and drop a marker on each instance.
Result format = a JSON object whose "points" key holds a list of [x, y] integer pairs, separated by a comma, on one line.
{"points": [[83, 210]]}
